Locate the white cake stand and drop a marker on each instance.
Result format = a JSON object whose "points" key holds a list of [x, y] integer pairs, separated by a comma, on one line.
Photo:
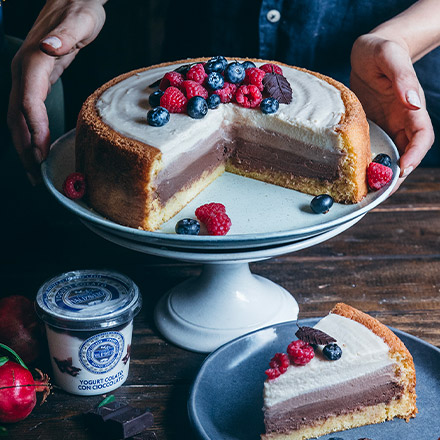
{"points": [[226, 300]]}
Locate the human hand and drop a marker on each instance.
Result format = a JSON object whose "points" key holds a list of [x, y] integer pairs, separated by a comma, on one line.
{"points": [[62, 28], [385, 82]]}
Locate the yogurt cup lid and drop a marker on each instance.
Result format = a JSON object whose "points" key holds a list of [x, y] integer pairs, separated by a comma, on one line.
{"points": [[88, 300]]}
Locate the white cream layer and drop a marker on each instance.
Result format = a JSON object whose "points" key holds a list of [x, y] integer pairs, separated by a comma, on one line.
{"points": [[315, 110], [363, 352]]}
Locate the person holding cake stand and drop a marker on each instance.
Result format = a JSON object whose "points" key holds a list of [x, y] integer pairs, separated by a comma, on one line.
{"points": [[382, 59]]}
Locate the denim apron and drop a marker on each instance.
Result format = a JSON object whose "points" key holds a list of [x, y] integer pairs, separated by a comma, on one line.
{"points": [[315, 34]]}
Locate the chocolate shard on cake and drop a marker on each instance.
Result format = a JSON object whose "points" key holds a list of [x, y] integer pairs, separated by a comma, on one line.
{"points": [[373, 381], [140, 175]]}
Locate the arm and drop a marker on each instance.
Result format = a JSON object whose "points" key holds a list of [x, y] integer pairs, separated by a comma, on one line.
{"points": [[62, 28], [384, 79]]}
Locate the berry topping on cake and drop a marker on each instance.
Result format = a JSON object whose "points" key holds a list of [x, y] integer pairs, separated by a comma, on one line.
{"points": [[226, 93], [278, 365], [248, 96], [174, 79], [197, 107], [272, 373], [255, 77], [214, 217], [197, 73], [154, 98], [300, 352], [173, 100], [215, 81], [321, 204], [271, 68], [234, 72], [213, 102], [269, 105], [191, 88], [383, 159], [74, 187], [158, 117], [216, 64], [187, 226], [332, 352], [203, 212], [248, 65], [378, 175]]}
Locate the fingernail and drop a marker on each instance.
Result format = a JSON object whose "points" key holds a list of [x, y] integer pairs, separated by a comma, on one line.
{"points": [[37, 155], [406, 172], [413, 98], [54, 42]]}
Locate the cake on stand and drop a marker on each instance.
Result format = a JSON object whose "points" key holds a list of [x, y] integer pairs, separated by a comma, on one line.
{"points": [[226, 300]]}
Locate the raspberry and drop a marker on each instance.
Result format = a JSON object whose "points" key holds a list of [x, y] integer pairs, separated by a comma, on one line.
{"points": [[272, 373], [191, 88], [218, 224], [173, 79], [208, 210], [271, 68], [255, 77], [248, 96], [378, 175], [280, 361], [173, 100], [226, 93], [197, 73], [74, 186], [300, 352]]}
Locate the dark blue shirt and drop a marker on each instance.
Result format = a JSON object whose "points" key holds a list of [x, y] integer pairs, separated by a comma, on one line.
{"points": [[314, 34]]}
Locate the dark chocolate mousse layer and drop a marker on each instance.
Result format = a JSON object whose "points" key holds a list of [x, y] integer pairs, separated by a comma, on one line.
{"points": [[333, 401]]}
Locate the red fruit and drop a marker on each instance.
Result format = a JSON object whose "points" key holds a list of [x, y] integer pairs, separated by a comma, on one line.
{"points": [[18, 391], [74, 186], [271, 68], [208, 210], [171, 79], [378, 175], [255, 77], [300, 352], [218, 224], [173, 100], [226, 93], [272, 373], [280, 361], [20, 326], [248, 96], [191, 88], [197, 73]]}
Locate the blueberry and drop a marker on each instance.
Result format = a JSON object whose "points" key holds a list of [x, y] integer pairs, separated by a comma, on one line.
{"points": [[248, 65], [383, 159], [321, 204], [197, 107], [213, 101], [332, 352], [154, 98], [235, 72], [188, 226], [215, 81], [158, 116], [269, 105], [216, 64]]}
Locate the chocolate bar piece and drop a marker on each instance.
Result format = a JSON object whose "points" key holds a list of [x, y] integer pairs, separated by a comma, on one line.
{"points": [[118, 421]]}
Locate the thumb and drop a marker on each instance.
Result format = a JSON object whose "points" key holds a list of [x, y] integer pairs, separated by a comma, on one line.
{"points": [[73, 33]]}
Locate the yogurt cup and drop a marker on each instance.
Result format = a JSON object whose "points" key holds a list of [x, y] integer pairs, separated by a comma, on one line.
{"points": [[88, 316]]}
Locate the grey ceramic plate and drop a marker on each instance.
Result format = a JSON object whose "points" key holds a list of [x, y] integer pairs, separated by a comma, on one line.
{"points": [[262, 214], [226, 397]]}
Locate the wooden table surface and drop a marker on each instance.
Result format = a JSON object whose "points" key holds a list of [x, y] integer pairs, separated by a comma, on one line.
{"points": [[388, 265]]}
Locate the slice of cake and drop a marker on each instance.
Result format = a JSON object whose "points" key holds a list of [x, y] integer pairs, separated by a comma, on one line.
{"points": [[313, 391], [141, 175]]}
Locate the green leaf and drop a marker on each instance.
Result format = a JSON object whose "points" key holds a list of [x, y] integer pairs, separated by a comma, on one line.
{"points": [[3, 360], [3, 431], [16, 356], [108, 399]]}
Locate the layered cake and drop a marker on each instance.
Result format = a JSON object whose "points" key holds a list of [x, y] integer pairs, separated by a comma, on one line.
{"points": [[364, 375], [141, 175]]}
